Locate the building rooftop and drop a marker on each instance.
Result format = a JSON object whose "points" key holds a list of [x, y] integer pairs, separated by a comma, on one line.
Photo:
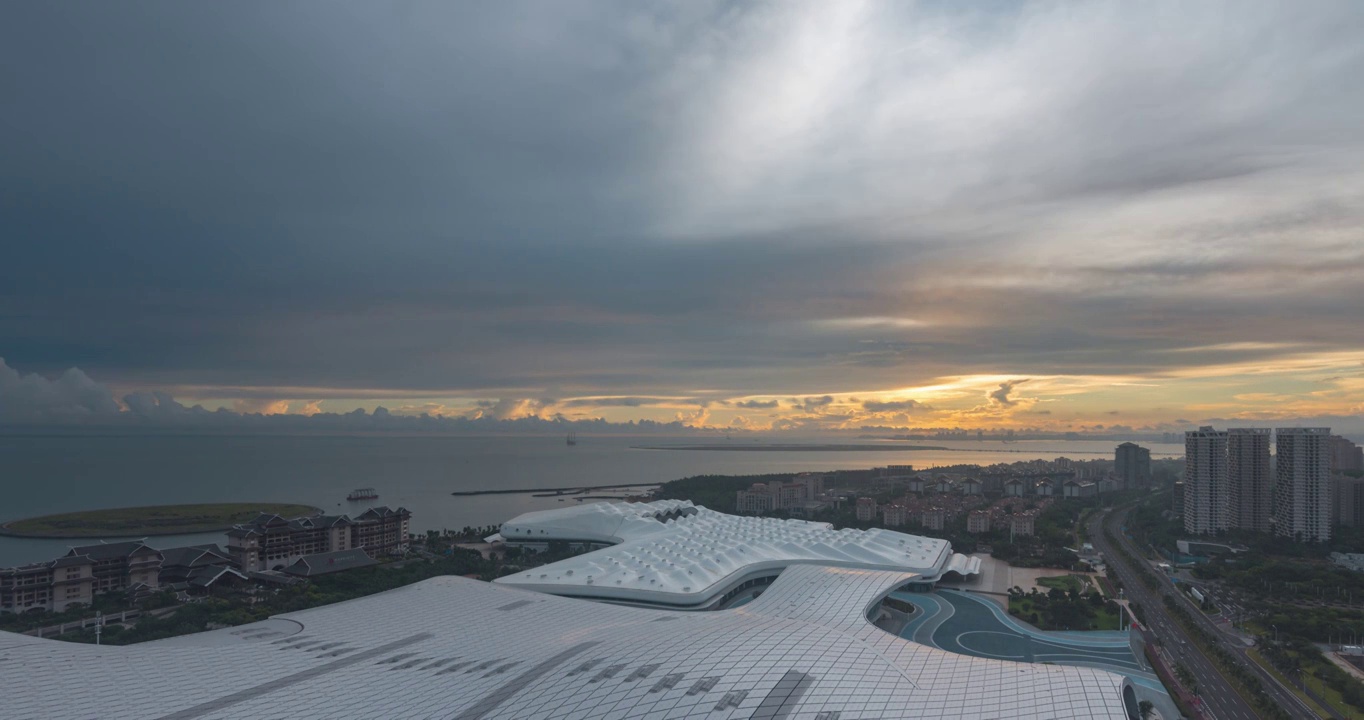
{"points": [[194, 555], [464, 649], [110, 551], [330, 562], [674, 553]]}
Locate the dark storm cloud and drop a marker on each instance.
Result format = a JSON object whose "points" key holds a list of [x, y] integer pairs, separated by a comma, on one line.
{"points": [[1001, 395], [893, 406], [757, 404], [574, 200]]}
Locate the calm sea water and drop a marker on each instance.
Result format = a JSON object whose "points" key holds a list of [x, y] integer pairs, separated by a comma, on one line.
{"points": [[41, 475]]}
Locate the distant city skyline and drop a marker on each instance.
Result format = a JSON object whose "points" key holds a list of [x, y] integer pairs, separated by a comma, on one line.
{"points": [[802, 217]]}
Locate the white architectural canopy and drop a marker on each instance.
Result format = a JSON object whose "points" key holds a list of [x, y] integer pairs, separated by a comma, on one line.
{"points": [[674, 553], [456, 648]]}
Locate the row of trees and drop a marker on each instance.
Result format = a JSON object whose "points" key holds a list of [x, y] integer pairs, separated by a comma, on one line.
{"points": [[1284, 579], [1295, 657], [1059, 609]]}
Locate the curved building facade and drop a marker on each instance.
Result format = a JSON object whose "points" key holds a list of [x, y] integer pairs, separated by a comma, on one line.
{"points": [[674, 554], [456, 648]]}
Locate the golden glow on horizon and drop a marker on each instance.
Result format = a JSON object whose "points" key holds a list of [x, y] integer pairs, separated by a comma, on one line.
{"points": [[1293, 384]]}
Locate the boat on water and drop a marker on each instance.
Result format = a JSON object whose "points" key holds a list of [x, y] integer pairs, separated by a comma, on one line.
{"points": [[362, 494], [572, 439]]}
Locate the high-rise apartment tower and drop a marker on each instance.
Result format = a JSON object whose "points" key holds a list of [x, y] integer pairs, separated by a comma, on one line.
{"points": [[1206, 506], [1133, 464], [1249, 482], [1302, 490]]}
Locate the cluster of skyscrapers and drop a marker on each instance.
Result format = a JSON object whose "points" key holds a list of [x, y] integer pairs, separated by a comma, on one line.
{"points": [[1230, 482]]}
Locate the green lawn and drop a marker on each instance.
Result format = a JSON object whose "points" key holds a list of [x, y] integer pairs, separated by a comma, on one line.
{"points": [[1103, 618], [1078, 583], [149, 520]]}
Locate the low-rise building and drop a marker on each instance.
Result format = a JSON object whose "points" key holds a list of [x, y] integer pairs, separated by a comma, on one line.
{"points": [[866, 509], [330, 562], [121, 565], [54, 585], [1349, 561], [894, 515], [808, 509], [934, 519], [180, 563], [813, 484], [978, 521], [381, 531], [971, 486], [270, 542], [1023, 523], [756, 500], [777, 495], [1078, 489]]}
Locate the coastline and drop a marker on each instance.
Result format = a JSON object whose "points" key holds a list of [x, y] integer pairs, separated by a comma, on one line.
{"points": [[96, 532], [554, 492], [792, 448]]}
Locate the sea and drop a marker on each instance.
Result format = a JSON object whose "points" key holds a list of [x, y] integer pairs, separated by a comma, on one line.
{"points": [[40, 475]]}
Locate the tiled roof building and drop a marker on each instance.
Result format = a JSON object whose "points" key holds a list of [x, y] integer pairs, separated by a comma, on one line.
{"points": [[804, 650]]}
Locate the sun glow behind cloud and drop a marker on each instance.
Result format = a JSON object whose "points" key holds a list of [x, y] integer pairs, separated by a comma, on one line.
{"points": [[792, 216]]}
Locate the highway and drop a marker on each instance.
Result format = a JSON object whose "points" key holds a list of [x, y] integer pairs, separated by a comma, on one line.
{"points": [[1220, 700]]}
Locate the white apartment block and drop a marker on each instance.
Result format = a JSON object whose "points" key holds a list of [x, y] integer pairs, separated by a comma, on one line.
{"points": [[1250, 483], [1302, 492], [1206, 506], [894, 515]]}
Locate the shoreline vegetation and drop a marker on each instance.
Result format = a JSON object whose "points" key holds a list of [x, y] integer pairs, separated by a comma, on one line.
{"points": [[777, 447], [556, 492], [148, 521]]}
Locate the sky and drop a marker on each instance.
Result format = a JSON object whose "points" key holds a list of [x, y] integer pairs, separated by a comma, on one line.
{"points": [[767, 216]]}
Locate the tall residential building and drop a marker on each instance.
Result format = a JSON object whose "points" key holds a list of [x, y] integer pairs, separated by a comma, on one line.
{"points": [[1206, 506], [1345, 455], [1250, 485], [1348, 500], [1302, 491], [1133, 465]]}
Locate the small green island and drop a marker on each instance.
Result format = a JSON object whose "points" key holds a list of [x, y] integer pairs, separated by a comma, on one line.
{"points": [[148, 520]]}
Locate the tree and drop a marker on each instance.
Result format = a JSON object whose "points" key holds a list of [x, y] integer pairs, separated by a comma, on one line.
{"points": [[1145, 708]]}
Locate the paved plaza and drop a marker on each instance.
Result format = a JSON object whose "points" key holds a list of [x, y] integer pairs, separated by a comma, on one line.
{"points": [[972, 624]]}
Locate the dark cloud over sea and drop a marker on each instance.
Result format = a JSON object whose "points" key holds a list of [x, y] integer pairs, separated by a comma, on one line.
{"points": [[571, 205]]}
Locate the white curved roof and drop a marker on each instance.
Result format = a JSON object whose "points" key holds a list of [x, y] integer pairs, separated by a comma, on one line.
{"points": [[675, 553], [451, 647]]}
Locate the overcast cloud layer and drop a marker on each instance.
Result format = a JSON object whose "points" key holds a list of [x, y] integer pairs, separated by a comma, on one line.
{"points": [[754, 215]]}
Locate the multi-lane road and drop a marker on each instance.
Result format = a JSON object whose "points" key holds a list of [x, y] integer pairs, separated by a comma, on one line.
{"points": [[1219, 699]]}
